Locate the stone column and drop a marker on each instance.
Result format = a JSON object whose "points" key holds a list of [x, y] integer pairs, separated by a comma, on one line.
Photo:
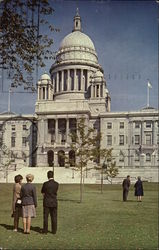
{"points": [[100, 89], [87, 79], [45, 130], [81, 80], [92, 91], [53, 83], [50, 91], [57, 82], [67, 130], [68, 84], [142, 132], [108, 103], [45, 92], [62, 80], [75, 80], [153, 132], [95, 94], [56, 130], [56, 159]]}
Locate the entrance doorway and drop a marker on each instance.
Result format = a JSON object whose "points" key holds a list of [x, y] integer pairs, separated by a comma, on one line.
{"points": [[61, 158], [50, 157]]}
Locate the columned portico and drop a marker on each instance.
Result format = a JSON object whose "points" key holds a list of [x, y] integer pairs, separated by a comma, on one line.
{"points": [[76, 82]]}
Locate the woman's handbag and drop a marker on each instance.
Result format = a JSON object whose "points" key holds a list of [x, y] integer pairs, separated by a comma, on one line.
{"points": [[18, 202]]}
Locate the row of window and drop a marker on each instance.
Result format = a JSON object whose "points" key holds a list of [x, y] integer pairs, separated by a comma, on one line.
{"points": [[13, 127], [137, 124], [109, 140], [109, 125], [13, 141], [137, 157], [136, 140]]}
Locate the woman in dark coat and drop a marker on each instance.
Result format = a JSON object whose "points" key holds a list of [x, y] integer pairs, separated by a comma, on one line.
{"points": [[29, 202], [139, 189]]}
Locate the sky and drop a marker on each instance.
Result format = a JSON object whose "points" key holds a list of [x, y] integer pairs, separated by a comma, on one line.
{"points": [[125, 35]]}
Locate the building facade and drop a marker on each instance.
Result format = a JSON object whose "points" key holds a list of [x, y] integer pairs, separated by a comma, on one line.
{"points": [[76, 87]]}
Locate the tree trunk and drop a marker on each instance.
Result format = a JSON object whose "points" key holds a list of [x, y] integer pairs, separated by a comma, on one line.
{"points": [[81, 186], [102, 181], [7, 174]]}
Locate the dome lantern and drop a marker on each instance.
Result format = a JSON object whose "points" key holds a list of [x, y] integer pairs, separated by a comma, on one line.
{"points": [[77, 22]]}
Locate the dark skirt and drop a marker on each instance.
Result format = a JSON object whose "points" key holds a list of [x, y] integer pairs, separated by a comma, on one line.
{"points": [[139, 192], [18, 212]]}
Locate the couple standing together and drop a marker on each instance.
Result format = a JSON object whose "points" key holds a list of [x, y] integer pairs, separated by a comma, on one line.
{"points": [[26, 195], [138, 188]]}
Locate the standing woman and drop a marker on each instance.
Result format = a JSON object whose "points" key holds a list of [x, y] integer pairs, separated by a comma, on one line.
{"points": [[16, 207], [29, 202], [139, 189]]}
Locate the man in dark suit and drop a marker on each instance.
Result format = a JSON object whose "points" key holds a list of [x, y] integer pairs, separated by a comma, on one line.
{"points": [[49, 191], [126, 186]]}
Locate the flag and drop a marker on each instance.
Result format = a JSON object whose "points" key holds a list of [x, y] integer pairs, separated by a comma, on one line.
{"points": [[149, 85]]}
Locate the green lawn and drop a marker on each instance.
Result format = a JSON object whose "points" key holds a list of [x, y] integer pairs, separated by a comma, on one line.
{"points": [[102, 221]]}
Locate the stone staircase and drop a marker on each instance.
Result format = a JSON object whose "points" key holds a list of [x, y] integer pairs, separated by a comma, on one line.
{"points": [[67, 175]]}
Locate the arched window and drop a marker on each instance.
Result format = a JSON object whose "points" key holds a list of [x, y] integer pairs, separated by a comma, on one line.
{"points": [[121, 157], [137, 158], [61, 158], [50, 158], [72, 158], [148, 157]]}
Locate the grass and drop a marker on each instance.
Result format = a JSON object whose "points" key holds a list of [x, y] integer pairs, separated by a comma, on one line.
{"points": [[102, 221]]}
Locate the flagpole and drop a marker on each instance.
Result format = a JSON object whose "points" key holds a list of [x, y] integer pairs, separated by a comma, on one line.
{"points": [[9, 100], [147, 96]]}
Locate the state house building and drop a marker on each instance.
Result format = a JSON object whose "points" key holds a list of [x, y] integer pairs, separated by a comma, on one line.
{"points": [[77, 87]]}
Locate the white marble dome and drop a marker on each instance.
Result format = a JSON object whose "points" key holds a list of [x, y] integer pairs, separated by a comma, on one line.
{"points": [[44, 79], [98, 76], [77, 47], [77, 38], [45, 76]]}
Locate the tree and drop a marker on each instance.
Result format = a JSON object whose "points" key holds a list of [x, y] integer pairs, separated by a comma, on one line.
{"points": [[84, 144], [107, 167], [7, 157], [112, 170], [22, 47]]}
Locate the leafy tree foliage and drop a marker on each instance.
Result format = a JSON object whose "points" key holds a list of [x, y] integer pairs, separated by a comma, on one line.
{"points": [[22, 47]]}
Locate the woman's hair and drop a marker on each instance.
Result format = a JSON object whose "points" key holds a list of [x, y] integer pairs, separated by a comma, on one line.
{"points": [[29, 177], [18, 178], [139, 178]]}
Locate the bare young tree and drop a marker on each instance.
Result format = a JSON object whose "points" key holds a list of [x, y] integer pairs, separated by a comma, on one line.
{"points": [[85, 145]]}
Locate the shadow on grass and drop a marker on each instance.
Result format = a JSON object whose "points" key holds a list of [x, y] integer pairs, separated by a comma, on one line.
{"points": [[125, 201], [10, 227], [20, 230], [36, 229], [75, 201]]}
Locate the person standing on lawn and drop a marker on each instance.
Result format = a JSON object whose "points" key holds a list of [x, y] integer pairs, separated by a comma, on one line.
{"points": [[29, 202], [49, 191], [126, 186], [16, 206], [139, 189]]}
